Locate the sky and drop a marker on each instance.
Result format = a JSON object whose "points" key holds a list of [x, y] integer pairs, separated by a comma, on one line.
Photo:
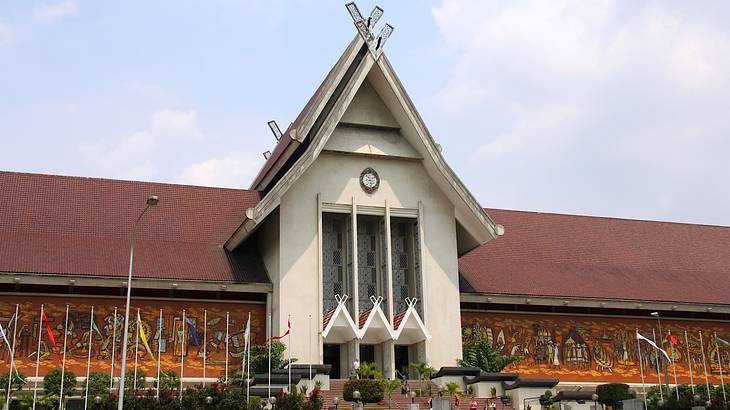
{"points": [[610, 108]]}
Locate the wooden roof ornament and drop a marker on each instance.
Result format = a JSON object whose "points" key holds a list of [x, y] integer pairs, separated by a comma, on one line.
{"points": [[365, 28]]}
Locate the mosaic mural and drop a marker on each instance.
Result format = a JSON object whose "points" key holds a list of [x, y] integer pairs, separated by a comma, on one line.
{"points": [[168, 332], [574, 348]]}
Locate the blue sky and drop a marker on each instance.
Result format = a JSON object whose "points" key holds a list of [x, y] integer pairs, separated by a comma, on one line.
{"points": [[615, 108]]}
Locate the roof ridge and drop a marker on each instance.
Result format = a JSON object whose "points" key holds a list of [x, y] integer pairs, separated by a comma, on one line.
{"points": [[80, 177], [627, 219]]}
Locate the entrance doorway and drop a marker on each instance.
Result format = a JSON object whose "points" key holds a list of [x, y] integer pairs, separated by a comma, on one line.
{"points": [[401, 359], [367, 354], [331, 356]]}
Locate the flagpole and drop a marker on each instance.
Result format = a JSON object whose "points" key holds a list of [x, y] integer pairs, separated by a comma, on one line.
{"points": [[88, 359], [659, 376], [704, 366], [689, 363], [309, 353], [248, 361], [205, 341], [227, 325], [674, 366], [114, 345], [63, 362], [136, 354], [288, 342], [270, 341], [159, 350], [719, 363], [641, 368], [182, 355], [12, 358], [38, 355]]}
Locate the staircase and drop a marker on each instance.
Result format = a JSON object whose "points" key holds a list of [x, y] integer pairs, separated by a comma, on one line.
{"points": [[398, 401]]}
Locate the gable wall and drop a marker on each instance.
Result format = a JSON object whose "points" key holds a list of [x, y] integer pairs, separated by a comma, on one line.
{"points": [[403, 184]]}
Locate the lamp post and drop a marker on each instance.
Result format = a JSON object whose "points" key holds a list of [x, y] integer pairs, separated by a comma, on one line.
{"points": [[594, 396], [661, 339], [336, 402], [356, 396], [151, 201], [413, 396]]}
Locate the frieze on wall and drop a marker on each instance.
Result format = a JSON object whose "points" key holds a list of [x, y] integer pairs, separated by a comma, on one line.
{"points": [[164, 337], [584, 348]]}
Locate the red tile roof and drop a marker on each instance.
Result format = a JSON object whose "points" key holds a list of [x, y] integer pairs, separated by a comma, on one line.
{"points": [[545, 254], [81, 226]]}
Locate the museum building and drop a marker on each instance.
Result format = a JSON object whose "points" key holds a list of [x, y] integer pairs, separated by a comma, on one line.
{"points": [[358, 237]]}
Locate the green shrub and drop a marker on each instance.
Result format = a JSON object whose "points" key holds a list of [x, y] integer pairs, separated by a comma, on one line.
{"points": [[613, 393], [168, 380], [98, 383], [290, 401], [371, 391], [52, 383], [129, 380], [480, 354], [17, 383]]}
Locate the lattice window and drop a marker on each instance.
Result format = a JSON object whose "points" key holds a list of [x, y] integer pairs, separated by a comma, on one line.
{"points": [[367, 260], [335, 258], [405, 260]]}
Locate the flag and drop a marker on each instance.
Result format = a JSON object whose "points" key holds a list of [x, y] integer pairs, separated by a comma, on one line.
{"points": [[5, 338], [143, 336], [194, 335], [640, 337], [288, 329], [95, 328], [673, 339], [49, 332], [720, 340], [247, 335]]}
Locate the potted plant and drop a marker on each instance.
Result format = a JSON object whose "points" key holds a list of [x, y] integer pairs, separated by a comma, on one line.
{"points": [[493, 391]]}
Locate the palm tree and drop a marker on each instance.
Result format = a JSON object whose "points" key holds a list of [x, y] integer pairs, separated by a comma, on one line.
{"points": [[452, 389], [424, 372], [389, 386], [369, 371]]}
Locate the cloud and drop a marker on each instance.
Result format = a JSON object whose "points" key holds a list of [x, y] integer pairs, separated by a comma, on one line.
{"points": [[233, 170], [51, 13], [598, 97], [134, 155]]}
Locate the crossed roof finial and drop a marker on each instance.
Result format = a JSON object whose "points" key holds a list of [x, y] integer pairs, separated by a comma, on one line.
{"points": [[365, 28]]}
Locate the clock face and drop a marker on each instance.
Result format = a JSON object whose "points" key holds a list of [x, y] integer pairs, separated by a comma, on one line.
{"points": [[369, 180]]}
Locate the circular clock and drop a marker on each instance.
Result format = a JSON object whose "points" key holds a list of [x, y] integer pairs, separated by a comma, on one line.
{"points": [[369, 180]]}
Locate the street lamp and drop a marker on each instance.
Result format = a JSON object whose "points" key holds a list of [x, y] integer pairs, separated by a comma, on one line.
{"points": [[336, 402], [151, 201], [413, 396], [272, 400], [208, 400], [594, 396], [356, 396]]}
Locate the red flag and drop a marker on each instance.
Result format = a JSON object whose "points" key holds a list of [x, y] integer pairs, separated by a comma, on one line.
{"points": [[673, 340], [288, 329], [49, 332]]}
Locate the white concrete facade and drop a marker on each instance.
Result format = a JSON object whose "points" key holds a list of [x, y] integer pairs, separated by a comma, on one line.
{"points": [[370, 124]]}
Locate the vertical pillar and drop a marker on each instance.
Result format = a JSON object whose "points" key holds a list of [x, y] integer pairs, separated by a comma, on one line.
{"points": [[320, 284], [388, 264], [389, 359], [355, 274]]}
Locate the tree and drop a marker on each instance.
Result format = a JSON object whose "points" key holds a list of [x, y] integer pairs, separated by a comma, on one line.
{"points": [[369, 371], [424, 372], [17, 383], [480, 354], [452, 389], [389, 386], [260, 360], [98, 383], [168, 380], [52, 383]]}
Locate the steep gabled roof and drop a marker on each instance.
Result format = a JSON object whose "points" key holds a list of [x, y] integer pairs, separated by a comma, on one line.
{"points": [[543, 254], [315, 125], [63, 225]]}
